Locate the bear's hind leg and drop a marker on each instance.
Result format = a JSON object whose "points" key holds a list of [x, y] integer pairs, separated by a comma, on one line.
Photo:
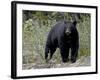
{"points": [[46, 53]]}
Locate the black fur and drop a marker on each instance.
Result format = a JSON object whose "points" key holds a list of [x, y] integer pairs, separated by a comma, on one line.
{"points": [[63, 35]]}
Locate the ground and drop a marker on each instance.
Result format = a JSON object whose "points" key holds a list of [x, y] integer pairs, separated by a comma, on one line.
{"points": [[82, 61]]}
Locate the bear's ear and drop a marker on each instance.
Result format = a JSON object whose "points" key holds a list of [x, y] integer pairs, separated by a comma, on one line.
{"points": [[74, 22]]}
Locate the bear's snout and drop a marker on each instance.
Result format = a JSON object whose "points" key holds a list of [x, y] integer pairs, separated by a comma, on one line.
{"points": [[68, 32]]}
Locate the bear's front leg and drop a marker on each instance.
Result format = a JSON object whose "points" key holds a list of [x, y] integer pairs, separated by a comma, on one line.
{"points": [[64, 51], [74, 53]]}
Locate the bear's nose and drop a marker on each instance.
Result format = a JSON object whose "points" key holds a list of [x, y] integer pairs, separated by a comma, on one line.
{"points": [[68, 33]]}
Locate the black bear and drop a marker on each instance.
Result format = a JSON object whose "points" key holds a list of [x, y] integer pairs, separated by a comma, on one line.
{"points": [[63, 35]]}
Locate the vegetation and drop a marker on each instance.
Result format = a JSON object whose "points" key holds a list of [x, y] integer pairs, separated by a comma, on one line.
{"points": [[37, 24]]}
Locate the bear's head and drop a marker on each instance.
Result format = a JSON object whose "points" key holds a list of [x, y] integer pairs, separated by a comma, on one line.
{"points": [[70, 27]]}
